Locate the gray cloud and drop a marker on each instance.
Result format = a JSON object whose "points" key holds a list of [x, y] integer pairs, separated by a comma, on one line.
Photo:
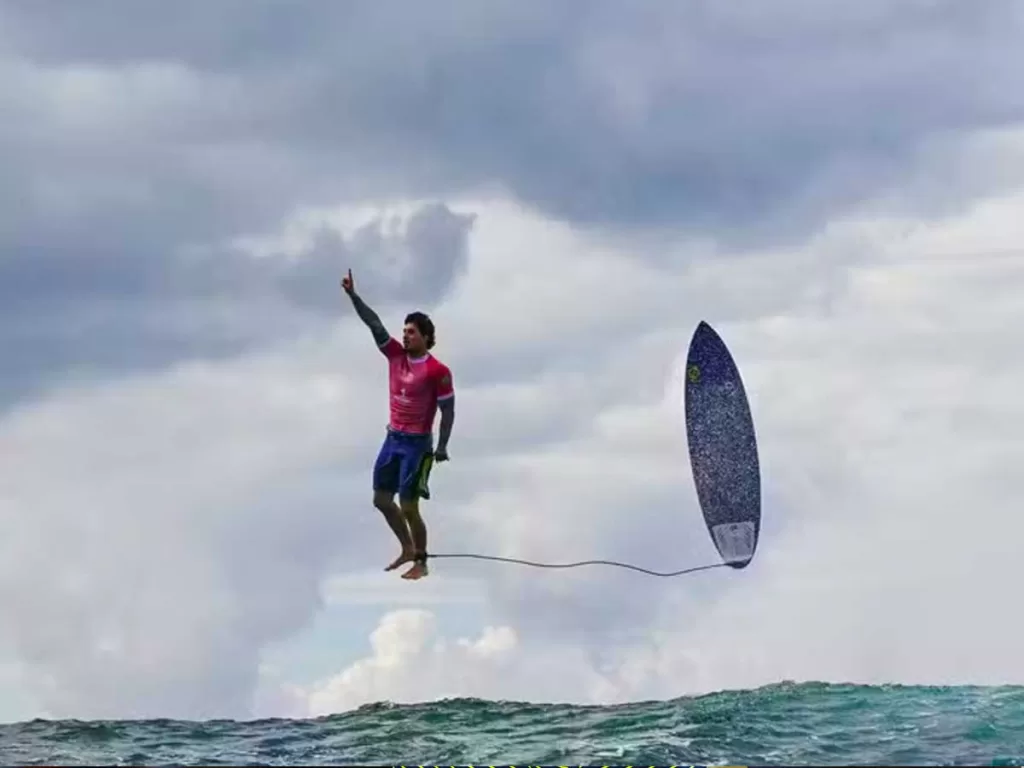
{"points": [[133, 135], [419, 262], [66, 313], [734, 122]]}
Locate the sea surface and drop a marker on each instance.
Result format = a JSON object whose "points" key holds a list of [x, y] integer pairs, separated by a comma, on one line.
{"points": [[785, 724]]}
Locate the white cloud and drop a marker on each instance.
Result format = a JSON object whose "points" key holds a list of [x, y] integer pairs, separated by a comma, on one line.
{"points": [[411, 661], [161, 530], [377, 588]]}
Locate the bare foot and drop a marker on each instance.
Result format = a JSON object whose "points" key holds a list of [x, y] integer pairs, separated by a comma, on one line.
{"points": [[405, 557], [418, 571]]}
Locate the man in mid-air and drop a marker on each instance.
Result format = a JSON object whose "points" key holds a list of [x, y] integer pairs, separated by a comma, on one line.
{"points": [[420, 384]]}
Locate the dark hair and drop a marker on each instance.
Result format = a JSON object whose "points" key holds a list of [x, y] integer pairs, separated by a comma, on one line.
{"points": [[425, 326]]}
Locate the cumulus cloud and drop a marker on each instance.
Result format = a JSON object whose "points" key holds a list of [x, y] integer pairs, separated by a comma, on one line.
{"points": [[410, 660], [163, 529]]}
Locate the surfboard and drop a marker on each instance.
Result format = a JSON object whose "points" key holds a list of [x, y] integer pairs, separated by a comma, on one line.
{"points": [[723, 447]]}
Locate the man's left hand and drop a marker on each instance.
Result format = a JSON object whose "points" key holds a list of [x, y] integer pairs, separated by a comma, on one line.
{"points": [[441, 454]]}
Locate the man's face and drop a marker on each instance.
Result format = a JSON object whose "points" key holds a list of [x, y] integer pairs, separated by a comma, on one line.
{"points": [[413, 340]]}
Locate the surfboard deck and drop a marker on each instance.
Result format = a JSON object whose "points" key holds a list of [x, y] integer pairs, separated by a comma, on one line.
{"points": [[723, 447]]}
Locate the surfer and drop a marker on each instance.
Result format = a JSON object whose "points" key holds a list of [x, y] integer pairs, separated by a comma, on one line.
{"points": [[419, 384]]}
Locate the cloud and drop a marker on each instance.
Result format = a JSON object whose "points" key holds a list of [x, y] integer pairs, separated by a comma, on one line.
{"points": [[130, 146], [735, 122], [350, 589], [188, 417], [153, 545], [71, 314], [411, 661]]}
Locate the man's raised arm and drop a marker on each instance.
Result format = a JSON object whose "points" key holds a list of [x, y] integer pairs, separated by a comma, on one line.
{"points": [[367, 315]]}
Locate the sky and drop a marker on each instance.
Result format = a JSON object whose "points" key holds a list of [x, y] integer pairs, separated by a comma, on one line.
{"points": [[190, 409]]}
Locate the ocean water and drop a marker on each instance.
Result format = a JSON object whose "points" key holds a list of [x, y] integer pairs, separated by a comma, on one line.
{"points": [[786, 724]]}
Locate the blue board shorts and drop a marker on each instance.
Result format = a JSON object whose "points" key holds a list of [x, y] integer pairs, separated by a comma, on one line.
{"points": [[403, 465]]}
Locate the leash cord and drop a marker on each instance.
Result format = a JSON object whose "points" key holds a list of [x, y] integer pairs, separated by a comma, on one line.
{"points": [[577, 564]]}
